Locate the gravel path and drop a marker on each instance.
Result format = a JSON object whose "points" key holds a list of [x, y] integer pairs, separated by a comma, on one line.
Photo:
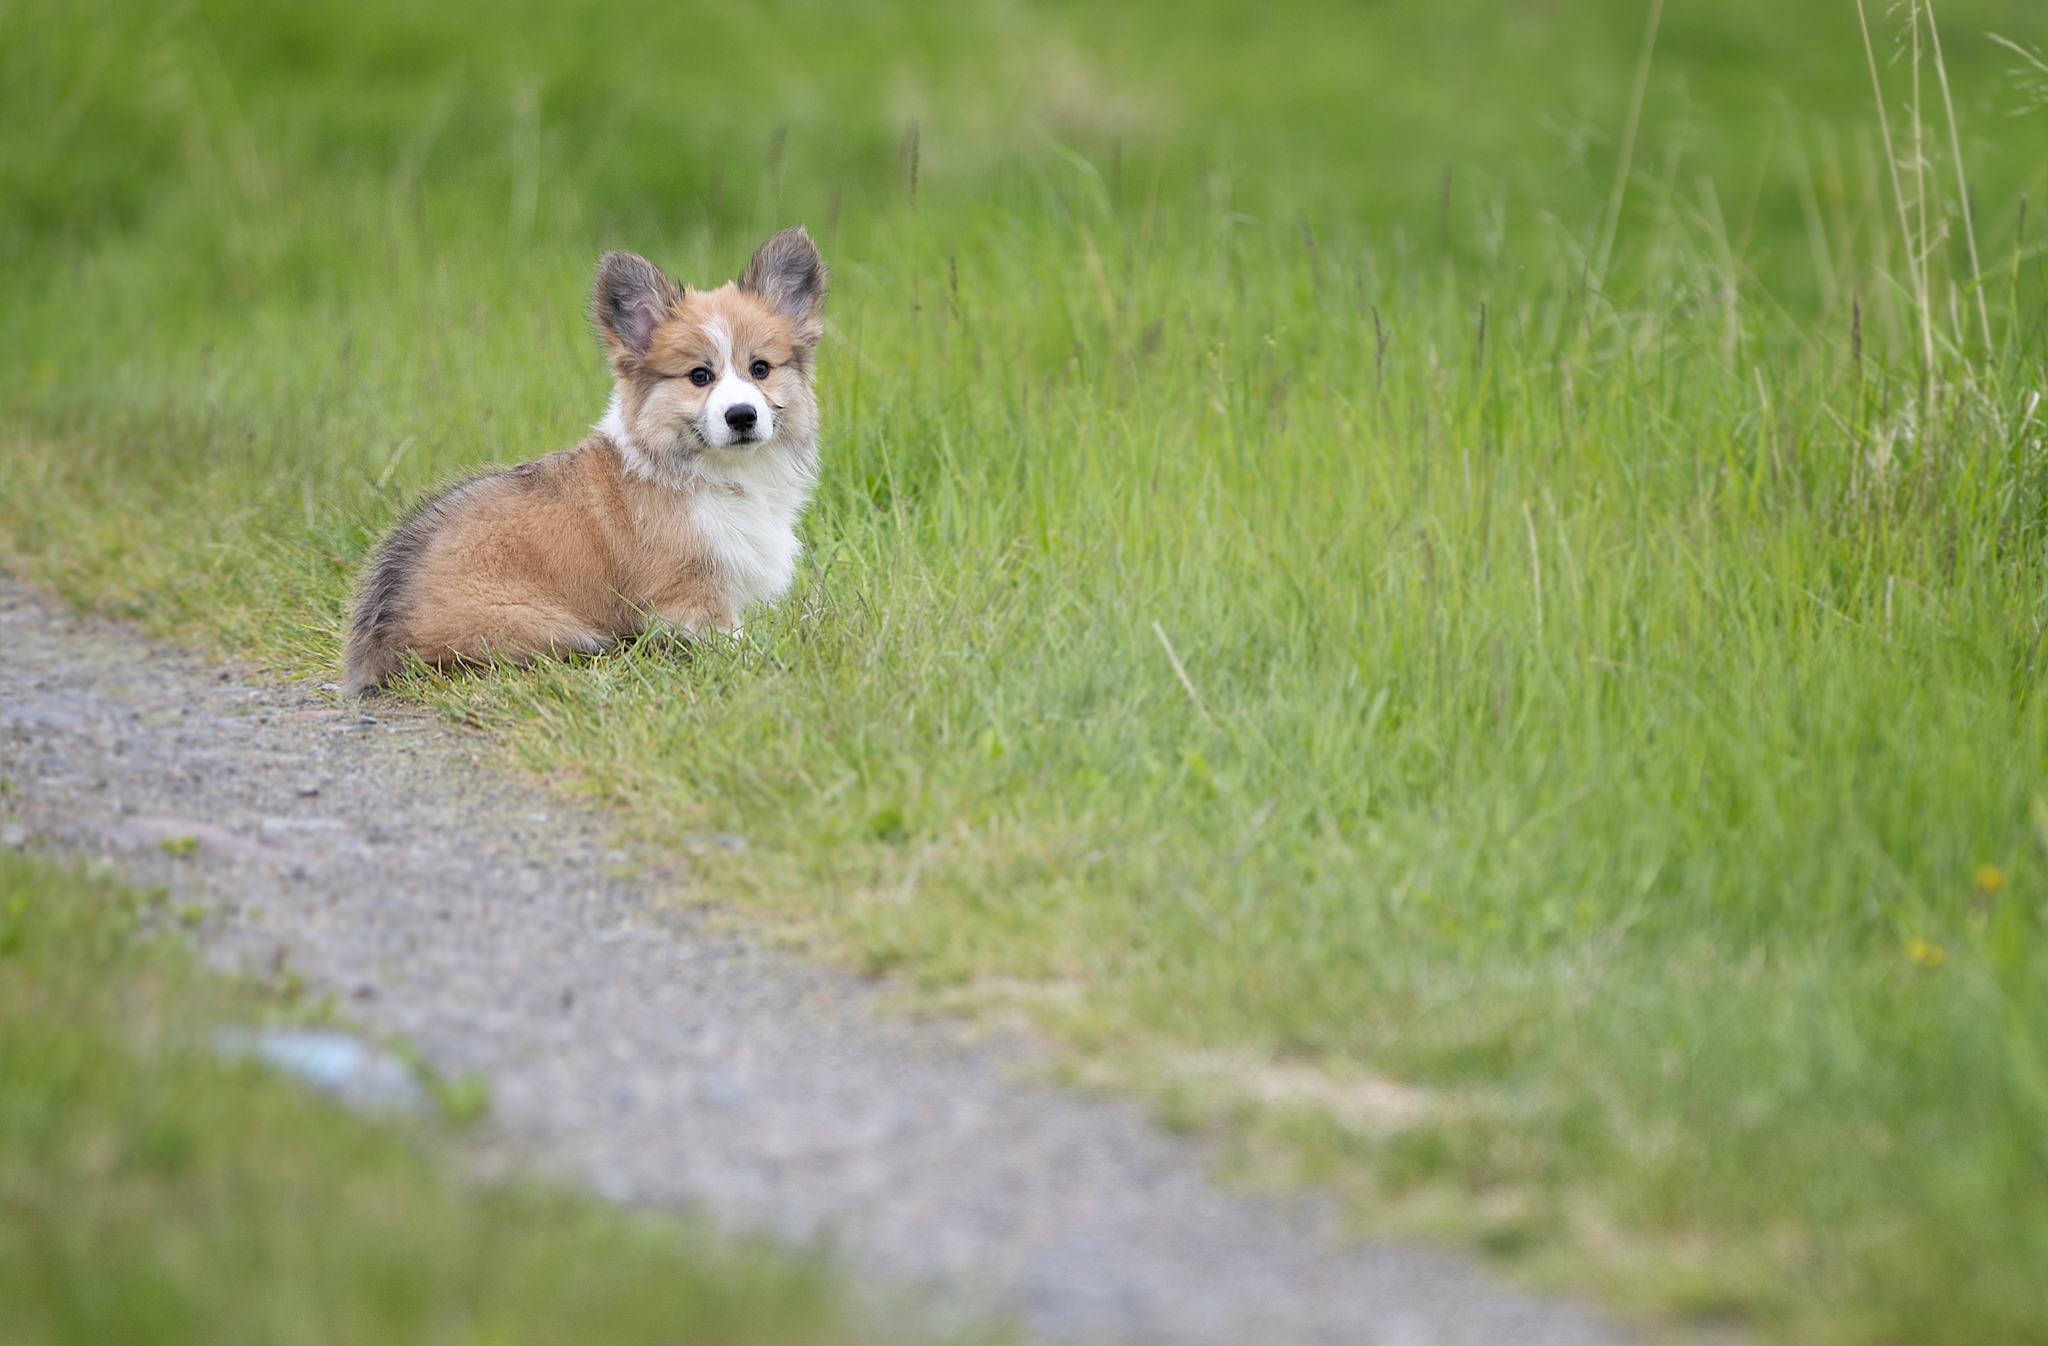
{"points": [[648, 1051]]}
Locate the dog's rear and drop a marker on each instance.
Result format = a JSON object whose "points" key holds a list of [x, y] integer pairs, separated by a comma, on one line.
{"points": [[378, 634], [505, 566]]}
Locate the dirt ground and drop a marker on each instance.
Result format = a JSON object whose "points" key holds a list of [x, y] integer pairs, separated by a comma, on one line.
{"points": [[640, 1047]]}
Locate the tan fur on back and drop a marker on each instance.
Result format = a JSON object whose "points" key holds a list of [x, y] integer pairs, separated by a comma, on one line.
{"points": [[667, 512], [567, 554]]}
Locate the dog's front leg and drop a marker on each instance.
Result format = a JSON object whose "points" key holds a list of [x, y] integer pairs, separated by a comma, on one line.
{"points": [[683, 619]]}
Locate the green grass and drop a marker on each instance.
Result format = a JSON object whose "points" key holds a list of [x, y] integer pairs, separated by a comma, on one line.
{"points": [[1622, 728], [151, 1192]]}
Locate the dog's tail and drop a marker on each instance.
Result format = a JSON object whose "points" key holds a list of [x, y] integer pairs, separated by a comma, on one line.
{"points": [[378, 630], [371, 660]]}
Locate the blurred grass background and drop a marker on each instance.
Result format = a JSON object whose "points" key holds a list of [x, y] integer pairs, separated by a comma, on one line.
{"points": [[1610, 637]]}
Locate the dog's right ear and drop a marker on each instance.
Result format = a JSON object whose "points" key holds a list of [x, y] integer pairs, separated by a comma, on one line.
{"points": [[631, 300], [788, 275]]}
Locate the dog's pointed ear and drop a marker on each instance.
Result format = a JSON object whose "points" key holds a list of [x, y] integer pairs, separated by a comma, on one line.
{"points": [[788, 275], [631, 300]]}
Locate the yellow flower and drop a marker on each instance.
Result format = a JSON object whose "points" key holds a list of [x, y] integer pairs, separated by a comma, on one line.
{"points": [[1923, 953], [1990, 879]]}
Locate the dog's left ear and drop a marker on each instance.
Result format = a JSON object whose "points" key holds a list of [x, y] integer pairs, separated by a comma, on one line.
{"points": [[788, 275], [630, 300]]}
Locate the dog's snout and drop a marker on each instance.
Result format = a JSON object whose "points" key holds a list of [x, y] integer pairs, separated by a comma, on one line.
{"points": [[741, 418]]}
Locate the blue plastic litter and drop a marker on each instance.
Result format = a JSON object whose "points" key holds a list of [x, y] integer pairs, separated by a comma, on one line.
{"points": [[355, 1073]]}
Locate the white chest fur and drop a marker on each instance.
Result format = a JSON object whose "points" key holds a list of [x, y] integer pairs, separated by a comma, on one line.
{"points": [[741, 506], [750, 530]]}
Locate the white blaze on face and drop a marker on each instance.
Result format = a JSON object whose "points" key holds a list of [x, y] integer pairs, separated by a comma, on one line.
{"points": [[732, 389]]}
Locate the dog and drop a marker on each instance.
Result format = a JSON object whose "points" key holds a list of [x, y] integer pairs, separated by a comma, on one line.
{"points": [[680, 508]]}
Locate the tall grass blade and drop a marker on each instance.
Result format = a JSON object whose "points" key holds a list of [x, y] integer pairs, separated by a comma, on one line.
{"points": [[1964, 202], [1611, 222]]}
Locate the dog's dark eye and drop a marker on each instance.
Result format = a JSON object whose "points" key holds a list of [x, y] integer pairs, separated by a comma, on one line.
{"points": [[759, 369], [700, 376]]}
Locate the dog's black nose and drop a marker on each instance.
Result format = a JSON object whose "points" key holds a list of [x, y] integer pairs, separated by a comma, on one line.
{"points": [[741, 418]]}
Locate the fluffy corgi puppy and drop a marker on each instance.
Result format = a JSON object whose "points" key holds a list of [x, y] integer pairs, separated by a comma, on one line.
{"points": [[681, 505]]}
